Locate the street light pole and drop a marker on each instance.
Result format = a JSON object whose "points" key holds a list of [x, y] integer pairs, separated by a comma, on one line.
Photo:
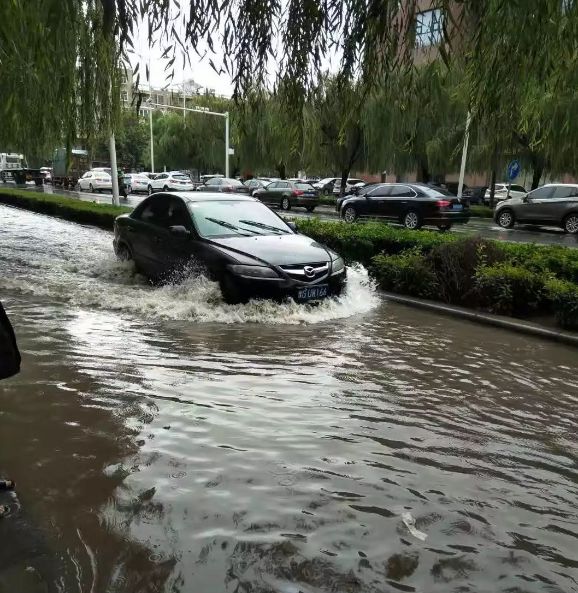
{"points": [[464, 156], [152, 138], [114, 170], [227, 144]]}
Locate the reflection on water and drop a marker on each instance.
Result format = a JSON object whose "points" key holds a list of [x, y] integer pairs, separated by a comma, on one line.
{"points": [[272, 448]]}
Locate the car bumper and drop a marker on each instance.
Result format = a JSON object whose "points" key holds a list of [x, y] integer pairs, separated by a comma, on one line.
{"points": [[281, 288], [306, 202], [449, 218]]}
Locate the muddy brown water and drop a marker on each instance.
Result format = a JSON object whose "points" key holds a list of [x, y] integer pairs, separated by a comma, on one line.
{"points": [[163, 441]]}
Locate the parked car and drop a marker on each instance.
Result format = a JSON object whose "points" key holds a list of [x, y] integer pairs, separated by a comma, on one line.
{"points": [[241, 243], [46, 173], [325, 186], [138, 182], [349, 185], [554, 204], [174, 180], [224, 185], [477, 194], [501, 192], [95, 180], [255, 184], [288, 194], [411, 204]]}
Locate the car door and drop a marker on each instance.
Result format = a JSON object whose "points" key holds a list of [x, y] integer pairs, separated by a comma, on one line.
{"points": [[269, 193], [536, 206], [159, 181], [84, 181], [148, 232], [563, 199], [401, 198], [376, 204]]}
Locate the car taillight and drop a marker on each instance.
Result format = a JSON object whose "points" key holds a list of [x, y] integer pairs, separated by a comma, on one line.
{"points": [[297, 192], [443, 203]]}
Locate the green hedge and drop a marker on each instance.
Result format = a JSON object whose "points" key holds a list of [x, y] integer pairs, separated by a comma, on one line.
{"points": [[101, 215], [481, 212], [563, 296]]}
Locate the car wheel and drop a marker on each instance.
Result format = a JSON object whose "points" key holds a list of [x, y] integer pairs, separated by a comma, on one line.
{"points": [[150, 189], [444, 227], [506, 218], [123, 252], [232, 294], [350, 214], [90, 188], [412, 220], [286, 203], [571, 223], [310, 208]]}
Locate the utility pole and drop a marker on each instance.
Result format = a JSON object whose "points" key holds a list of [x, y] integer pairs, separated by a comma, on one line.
{"points": [[464, 156], [152, 137], [114, 170], [227, 144]]}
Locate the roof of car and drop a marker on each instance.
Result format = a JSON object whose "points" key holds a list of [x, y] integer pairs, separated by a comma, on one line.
{"points": [[205, 196], [560, 185]]}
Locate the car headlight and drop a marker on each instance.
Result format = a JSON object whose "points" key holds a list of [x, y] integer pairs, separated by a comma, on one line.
{"points": [[337, 266], [254, 271]]}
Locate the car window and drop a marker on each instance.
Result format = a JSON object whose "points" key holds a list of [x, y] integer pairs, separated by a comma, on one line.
{"points": [[402, 191], [87, 175], [282, 184], [178, 215], [181, 177], [213, 181], [304, 186], [354, 181], [542, 193], [518, 188], [230, 218], [273, 185], [154, 211], [565, 192], [380, 192]]}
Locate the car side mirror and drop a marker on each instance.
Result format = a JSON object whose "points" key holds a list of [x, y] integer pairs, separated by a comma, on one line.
{"points": [[526, 199], [292, 226], [179, 230]]}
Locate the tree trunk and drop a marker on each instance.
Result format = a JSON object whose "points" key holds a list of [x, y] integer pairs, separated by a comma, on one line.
{"points": [[537, 170], [493, 177], [281, 170], [423, 171], [344, 178]]}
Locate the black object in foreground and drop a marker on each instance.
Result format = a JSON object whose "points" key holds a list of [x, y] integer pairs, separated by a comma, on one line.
{"points": [[9, 354]]}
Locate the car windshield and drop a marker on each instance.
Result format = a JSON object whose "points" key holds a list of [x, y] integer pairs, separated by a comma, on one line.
{"points": [[327, 180], [435, 192], [182, 177], [305, 186], [224, 218]]}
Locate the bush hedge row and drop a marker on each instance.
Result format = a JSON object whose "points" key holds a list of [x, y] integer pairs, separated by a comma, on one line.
{"points": [[101, 215], [514, 279]]}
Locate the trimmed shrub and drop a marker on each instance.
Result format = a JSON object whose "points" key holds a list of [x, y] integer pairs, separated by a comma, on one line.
{"points": [[563, 296], [509, 290], [481, 212], [407, 273], [101, 215], [455, 264]]}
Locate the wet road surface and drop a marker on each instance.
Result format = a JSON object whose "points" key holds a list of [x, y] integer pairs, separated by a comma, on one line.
{"points": [[476, 226], [164, 441]]}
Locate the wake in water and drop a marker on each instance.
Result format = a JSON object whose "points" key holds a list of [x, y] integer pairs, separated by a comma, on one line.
{"points": [[73, 264]]}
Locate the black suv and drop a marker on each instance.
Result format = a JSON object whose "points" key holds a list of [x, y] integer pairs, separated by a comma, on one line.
{"points": [[411, 204]]}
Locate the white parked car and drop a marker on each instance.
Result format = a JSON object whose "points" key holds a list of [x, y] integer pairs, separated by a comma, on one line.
{"points": [[501, 192], [95, 180], [349, 185], [138, 182], [175, 181]]}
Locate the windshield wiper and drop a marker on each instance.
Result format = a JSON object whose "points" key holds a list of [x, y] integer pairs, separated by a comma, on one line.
{"points": [[262, 225], [228, 225]]}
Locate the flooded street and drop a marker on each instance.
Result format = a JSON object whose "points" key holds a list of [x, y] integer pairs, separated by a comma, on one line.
{"points": [[164, 441]]}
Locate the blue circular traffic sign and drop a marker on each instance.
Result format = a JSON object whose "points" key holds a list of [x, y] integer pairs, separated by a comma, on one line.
{"points": [[513, 169]]}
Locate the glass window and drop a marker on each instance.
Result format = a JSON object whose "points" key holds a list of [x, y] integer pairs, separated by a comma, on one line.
{"points": [[154, 211], [181, 177], [518, 188], [304, 186], [428, 27], [229, 218], [273, 185], [402, 191], [87, 175], [178, 215], [565, 192], [542, 193], [282, 184], [380, 192]]}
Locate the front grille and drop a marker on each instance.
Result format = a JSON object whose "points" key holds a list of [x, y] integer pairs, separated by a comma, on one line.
{"points": [[307, 272]]}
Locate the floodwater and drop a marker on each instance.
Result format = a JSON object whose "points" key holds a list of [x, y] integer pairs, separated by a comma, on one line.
{"points": [[164, 441]]}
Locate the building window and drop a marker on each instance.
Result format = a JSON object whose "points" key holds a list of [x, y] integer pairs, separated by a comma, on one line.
{"points": [[567, 5], [429, 27], [124, 95]]}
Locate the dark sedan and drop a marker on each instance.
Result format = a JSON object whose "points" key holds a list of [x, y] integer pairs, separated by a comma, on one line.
{"points": [[411, 204], [224, 185], [287, 194], [255, 184], [234, 240]]}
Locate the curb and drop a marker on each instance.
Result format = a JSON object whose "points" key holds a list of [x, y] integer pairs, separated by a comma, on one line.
{"points": [[522, 327]]}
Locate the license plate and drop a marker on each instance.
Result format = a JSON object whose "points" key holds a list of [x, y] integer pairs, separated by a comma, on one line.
{"points": [[310, 293], [457, 207]]}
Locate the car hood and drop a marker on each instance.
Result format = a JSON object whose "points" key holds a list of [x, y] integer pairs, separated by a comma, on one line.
{"points": [[277, 250]]}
